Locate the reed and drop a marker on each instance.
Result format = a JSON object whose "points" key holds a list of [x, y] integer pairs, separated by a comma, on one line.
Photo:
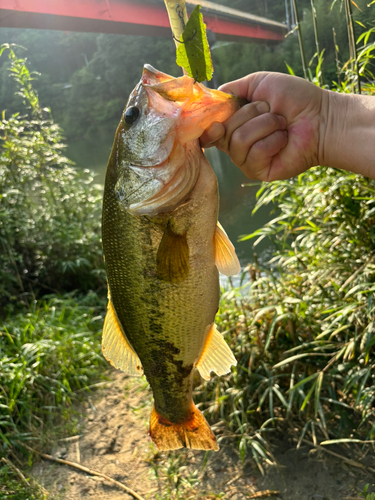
{"points": [[317, 44], [302, 328], [300, 40]]}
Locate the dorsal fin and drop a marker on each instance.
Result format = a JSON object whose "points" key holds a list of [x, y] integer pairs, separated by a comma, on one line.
{"points": [[226, 259], [115, 345], [216, 356]]}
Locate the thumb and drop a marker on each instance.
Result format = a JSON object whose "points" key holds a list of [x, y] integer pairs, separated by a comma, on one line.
{"points": [[244, 87]]}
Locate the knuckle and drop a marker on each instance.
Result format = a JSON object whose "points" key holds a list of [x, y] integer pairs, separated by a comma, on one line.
{"points": [[223, 144], [238, 138], [273, 120], [254, 169]]}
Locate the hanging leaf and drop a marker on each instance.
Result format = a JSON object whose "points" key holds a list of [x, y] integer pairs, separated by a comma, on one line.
{"points": [[193, 53]]}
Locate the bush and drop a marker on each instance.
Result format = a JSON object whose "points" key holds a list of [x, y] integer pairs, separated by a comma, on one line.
{"points": [[303, 329], [303, 333], [47, 355], [49, 211]]}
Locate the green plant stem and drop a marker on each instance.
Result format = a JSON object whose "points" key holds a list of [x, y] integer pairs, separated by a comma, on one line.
{"points": [[338, 69], [351, 41], [300, 41], [316, 34]]}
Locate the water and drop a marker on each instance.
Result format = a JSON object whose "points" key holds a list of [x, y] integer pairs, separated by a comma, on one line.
{"points": [[236, 202]]}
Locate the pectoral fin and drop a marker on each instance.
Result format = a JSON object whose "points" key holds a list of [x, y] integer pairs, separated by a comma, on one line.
{"points": [[226, 259], [216, 356], [173, 257], [116, 347]]}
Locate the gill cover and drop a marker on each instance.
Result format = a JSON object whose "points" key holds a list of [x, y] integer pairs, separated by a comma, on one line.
{"points": [[160, 153]]}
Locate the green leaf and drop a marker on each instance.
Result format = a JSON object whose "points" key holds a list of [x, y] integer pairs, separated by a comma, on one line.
{"points": [[307, 398], [304, 381], [361, 24], [290, 70], [318, 389], [345, 440], [193, 53], [270, 332]]}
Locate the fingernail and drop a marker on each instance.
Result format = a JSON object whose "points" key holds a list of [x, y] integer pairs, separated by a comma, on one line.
{"points": [[223, 89], [282, 122], [263, 107]]}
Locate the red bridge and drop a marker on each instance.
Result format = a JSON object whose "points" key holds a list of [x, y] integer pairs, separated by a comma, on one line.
{"points": [[132, 17]]}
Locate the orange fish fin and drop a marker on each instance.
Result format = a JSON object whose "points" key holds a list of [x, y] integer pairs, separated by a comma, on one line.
{"points": [[172, 259], [194, 433], [226, 259], [216, 356], [116, 347]]}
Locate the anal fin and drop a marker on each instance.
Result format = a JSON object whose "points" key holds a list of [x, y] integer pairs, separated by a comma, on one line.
{"points": [[194, 433], [226, 259], [116, 347], [216, 356], [172, 259]]}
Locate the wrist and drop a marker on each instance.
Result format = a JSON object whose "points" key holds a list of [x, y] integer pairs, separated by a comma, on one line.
{"points": [[347, 132], [333, 112]]}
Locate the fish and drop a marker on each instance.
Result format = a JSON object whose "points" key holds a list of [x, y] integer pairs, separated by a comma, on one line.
{"points": [[163, 250]]}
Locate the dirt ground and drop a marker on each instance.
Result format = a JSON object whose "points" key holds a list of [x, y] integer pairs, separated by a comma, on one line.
{"points": [[115, 442]]}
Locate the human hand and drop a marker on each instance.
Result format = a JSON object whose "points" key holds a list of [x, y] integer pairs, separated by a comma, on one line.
{"points": [[276, 136]]}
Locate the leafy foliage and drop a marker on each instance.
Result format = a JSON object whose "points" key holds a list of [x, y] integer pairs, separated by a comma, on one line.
{"points": [[303, 329], [305, 339], [11, 488], [46, 355], [49, 240], [193, 53], [49, 211]]}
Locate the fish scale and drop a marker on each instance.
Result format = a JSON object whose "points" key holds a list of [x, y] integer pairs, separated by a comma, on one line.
{"points": [[162, 263]]}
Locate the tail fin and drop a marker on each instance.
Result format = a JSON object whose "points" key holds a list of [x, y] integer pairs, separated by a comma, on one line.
{"points": [[193, 433]]}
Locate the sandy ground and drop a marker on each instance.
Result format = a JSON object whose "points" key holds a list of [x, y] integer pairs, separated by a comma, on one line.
{"points": [[114, 441]]}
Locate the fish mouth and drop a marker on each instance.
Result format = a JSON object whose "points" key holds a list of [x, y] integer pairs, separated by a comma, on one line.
{"points": [[172, 189]]}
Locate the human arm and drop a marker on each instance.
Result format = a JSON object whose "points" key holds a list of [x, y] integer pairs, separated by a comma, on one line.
{"points": [[320, 128], [347, 133]]}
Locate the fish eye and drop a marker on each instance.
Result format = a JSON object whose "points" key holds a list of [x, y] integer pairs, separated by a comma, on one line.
{"points": [[131, 114]]}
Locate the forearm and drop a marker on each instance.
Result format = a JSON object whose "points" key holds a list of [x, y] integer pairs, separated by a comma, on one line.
{"points": [[347, 133]]}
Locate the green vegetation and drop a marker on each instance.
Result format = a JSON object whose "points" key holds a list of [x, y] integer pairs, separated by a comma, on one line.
{"points": [[193, 54], [46, 355], [370, 496], [15, 487], [49, 241], [302, 329], [303, 332], [179, 476], [50, 212]]}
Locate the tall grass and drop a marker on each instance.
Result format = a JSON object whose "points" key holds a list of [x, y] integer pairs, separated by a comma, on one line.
{"points": [[49, 241], [303, 331], [303, 328], [46, 356]]}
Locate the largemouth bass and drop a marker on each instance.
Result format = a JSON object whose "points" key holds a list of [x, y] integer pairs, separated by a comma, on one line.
{"points": [[163, 248]]}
